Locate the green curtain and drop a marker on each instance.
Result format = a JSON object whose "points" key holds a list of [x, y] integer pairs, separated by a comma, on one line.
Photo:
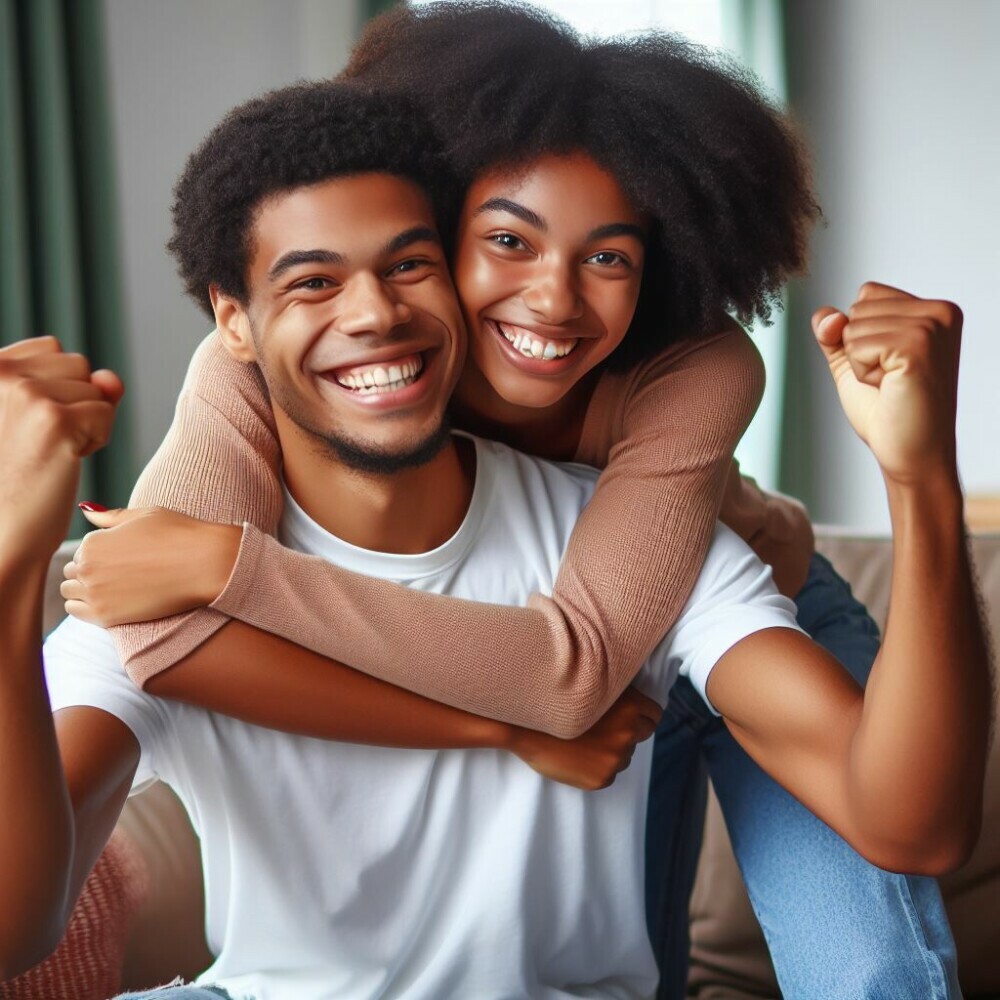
{"points": [[59, 259], [753, 30], [372, 8]]}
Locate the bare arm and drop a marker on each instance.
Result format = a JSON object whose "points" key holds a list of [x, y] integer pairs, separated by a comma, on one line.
{"points": [[61, 785], [632, 559], [899, 769]]}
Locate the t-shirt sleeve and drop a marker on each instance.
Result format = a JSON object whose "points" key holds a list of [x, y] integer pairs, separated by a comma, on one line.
{"points": [[83, 669], [734, 597]]}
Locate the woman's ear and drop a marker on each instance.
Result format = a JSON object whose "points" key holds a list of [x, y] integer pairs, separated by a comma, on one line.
{"points": [[233, 324]]}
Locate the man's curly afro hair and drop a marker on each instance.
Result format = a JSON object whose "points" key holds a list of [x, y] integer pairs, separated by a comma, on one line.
{"points": [[686, 132], [286, 139]]}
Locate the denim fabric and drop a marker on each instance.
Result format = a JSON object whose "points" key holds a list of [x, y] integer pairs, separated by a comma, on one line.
{"points": [[178, 991], [836, 926]]}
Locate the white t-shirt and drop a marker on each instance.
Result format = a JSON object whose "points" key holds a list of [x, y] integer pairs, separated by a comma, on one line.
{"points": [[336, 870]]}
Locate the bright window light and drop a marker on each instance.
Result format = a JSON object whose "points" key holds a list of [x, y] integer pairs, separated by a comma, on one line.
{"points": [[698, 20]]}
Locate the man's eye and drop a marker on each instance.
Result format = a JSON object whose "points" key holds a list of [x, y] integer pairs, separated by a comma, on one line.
{"points": [[407, 266], [314, 284], [508, 240], [607, 258]]}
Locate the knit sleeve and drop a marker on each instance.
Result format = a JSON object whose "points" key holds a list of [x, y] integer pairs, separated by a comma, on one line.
{"points": [[220, 461], [557, 664]]}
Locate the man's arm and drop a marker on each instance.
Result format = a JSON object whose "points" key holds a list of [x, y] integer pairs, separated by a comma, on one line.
{"points": [[898, 770], [60, 793]]}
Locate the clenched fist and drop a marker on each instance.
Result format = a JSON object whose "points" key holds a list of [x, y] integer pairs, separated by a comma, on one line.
{"points": [[54, 411], [894, 359]]}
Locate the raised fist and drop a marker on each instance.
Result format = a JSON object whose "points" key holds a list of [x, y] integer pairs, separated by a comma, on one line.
{"points": [[53, 412], [894, 359]]}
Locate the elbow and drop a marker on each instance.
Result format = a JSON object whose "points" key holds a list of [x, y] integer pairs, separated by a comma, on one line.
{"points": [[569, 718], [935, 854]]}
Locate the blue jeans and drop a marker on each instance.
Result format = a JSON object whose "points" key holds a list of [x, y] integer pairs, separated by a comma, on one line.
{"points": [[178, 991], [836, 926]]}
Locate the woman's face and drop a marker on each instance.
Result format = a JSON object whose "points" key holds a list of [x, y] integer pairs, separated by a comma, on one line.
{"points": [[548, 265]]}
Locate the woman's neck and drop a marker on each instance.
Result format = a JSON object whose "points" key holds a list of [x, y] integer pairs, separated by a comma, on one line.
{"points": [[552, 432]]}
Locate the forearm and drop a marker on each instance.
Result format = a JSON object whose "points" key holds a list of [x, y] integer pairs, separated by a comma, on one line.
{"points": [[36, 835], [269, 681], [918, 757]]}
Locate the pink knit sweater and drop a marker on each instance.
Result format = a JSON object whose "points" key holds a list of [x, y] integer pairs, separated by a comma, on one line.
{"points": [[664, 435]]}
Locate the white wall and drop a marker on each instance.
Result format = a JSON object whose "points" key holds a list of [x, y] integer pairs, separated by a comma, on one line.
{"points": [[901, 102], [175, 69]]}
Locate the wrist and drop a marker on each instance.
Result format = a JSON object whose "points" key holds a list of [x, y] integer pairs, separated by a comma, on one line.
{"points": [[224, 549]]}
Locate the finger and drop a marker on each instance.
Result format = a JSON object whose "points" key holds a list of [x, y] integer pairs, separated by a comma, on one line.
{"points": [[29, 348], [827, 323], [78, 609], [647, 707], [109, 518], [91, 424], [944, 313], [109, 384], [876, 290], [73, 590], [55, 365], [69, 390], [71, 570]]}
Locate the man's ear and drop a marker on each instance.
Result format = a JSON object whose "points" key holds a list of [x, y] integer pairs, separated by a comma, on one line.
{"points": [[233, 324]]}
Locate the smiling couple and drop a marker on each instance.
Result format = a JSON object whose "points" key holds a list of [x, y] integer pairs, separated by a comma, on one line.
{"points": [[595, 247]]}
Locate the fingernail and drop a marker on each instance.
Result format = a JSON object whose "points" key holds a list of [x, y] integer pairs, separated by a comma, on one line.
{"points": [[91, 507]]}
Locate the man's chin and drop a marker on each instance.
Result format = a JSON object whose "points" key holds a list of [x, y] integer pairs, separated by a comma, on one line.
{"points": [[367, 458]]}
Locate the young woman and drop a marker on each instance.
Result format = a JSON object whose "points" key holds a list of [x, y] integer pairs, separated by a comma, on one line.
{"points": [[618, 198]]}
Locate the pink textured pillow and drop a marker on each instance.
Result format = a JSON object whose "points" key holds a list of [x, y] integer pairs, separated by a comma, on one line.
{"points": [[87, 965]]}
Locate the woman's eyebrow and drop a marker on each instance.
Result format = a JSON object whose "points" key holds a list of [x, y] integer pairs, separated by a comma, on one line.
{"points": [[523, 213], [617, 229]]}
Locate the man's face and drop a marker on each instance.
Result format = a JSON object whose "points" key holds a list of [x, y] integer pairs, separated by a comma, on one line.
{"points": [[354, 319]]}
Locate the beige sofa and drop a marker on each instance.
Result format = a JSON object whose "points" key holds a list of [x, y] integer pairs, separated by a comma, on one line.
{"points": [[152, 872]]}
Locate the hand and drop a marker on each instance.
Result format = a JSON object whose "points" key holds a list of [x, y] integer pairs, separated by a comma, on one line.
{"points": [[894, 359], [592, 760], [53, 412], [147, 563]]}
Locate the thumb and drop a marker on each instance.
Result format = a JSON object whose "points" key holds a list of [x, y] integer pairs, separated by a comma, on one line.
{"points": [[100, 517], [828, 326]]}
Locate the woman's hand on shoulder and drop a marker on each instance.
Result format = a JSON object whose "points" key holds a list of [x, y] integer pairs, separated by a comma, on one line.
{"points": [[147, 563]]}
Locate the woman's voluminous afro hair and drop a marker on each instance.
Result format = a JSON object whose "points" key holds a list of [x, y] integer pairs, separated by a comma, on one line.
{"points": [[686, 132], [291, 138]]}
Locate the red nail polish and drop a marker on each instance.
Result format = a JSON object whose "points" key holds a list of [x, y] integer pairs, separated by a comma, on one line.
{"points": [[94, 508]]}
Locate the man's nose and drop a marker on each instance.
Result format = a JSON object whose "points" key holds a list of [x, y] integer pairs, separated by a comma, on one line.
{"points": [[369, 305], [554, 293]]}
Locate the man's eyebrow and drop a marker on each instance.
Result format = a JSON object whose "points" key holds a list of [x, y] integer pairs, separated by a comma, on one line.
{"points": [[294, 257], [514, 208], [617, 229], [418, 234]]}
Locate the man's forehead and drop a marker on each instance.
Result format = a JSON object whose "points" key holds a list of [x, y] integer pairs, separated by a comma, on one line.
{"points": [[346, 216]]}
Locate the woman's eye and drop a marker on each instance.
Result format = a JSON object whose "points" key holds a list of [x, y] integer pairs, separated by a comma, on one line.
{"points": [[607, 258], [508, 240]]}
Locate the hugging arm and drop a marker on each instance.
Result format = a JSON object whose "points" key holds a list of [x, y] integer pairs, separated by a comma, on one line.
{"points": [[555, 665]]}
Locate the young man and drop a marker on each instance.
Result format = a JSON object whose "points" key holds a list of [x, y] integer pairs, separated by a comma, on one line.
{"points": [[334, 870]]}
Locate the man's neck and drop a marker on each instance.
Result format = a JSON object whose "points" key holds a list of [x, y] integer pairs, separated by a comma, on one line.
{"points": [[408, 512]]}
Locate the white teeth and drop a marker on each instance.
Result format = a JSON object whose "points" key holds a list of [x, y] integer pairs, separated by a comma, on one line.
{"points": [[379, 379], [531, 347]]}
